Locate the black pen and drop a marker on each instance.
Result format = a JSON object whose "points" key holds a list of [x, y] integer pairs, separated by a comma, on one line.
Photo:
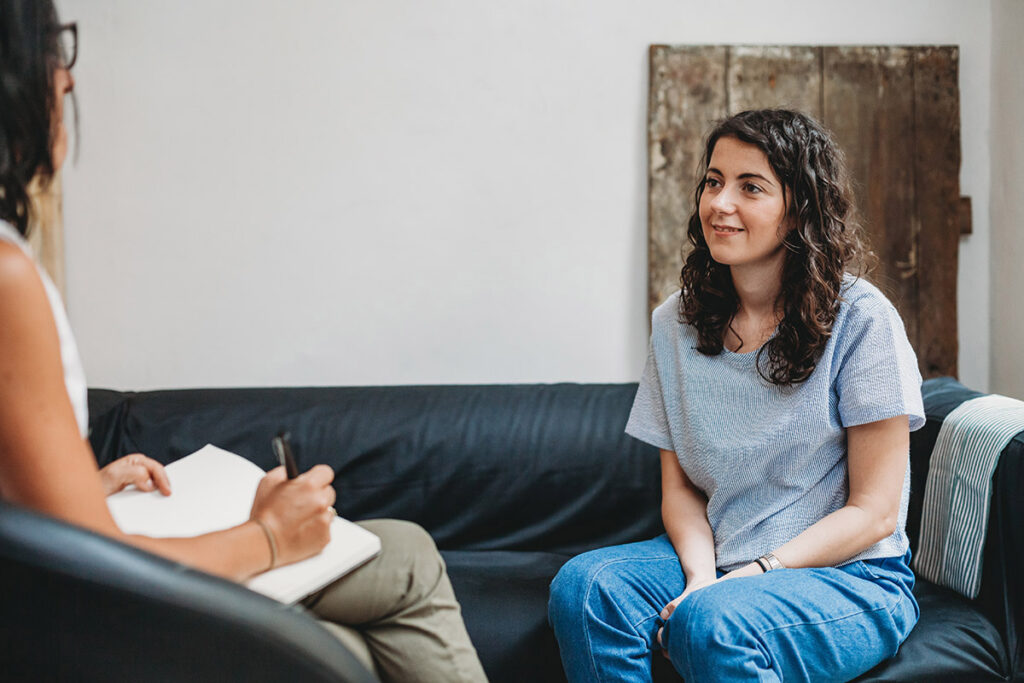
{"points": [[283, 451]]}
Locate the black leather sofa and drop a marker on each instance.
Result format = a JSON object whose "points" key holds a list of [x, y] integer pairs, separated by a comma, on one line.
{"points": [[511, 481]]}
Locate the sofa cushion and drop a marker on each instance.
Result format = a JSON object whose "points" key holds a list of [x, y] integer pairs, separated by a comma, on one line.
{"points": [[504, 598], [953, 641]]}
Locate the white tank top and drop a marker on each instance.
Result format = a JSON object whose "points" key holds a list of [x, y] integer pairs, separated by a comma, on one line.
{"points": [[74, 374]]}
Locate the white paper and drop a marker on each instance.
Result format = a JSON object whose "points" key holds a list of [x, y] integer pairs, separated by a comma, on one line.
{"points": [[213, 489]]}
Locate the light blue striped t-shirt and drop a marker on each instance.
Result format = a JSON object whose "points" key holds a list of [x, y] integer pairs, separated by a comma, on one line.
{"points": [[772, 460]]}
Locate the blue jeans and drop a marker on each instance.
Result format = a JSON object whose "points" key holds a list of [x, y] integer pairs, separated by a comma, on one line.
{"points": [[823, 624]]}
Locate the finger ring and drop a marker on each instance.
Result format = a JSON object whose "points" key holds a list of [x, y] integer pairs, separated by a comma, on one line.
{"points": [[330, 508]]}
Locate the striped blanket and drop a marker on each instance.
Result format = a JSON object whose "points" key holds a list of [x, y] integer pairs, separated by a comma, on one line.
{"points": [[959, 488]]}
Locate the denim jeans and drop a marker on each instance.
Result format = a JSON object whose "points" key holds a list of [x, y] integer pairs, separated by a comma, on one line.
{"points": [[821, 624]]}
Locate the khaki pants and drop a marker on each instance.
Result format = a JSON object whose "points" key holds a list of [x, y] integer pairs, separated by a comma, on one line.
{"points": [[398, 614]]}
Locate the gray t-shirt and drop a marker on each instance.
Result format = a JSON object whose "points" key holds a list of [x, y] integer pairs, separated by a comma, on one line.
{"points": [[772, 460]]}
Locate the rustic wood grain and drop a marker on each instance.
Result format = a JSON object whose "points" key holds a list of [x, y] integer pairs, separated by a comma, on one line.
{"points": [[869, 106], [937, 171], [775, 76], [687, 95]]}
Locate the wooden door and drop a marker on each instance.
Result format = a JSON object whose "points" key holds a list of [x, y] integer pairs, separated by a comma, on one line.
{"points": [[894, 110]]}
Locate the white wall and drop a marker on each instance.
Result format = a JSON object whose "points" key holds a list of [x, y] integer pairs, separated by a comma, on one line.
{"points": [[387, 191], [1007, 198]]}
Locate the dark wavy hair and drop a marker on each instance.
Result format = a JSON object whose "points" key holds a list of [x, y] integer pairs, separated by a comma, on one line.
{"points": [[29, 54], [825, 242]]}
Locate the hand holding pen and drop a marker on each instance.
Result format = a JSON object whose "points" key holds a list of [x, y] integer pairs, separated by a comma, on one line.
{"points": [[283, 450], [294, 512]]}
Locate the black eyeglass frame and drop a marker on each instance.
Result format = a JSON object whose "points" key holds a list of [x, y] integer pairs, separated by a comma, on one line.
{"points": [[68, 62]]}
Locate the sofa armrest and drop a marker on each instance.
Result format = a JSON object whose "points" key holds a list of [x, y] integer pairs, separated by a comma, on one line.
{"points": [[1002, 592]]}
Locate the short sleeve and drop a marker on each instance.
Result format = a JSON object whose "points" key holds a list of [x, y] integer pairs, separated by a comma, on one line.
{"points": [[647, 420], [878, 376]]}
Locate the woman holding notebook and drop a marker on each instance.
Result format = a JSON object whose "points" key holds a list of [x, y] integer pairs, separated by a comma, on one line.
{"points": [[401, 602]]}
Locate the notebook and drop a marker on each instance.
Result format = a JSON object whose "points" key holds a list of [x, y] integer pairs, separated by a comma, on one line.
{"points": [[213, 489]]}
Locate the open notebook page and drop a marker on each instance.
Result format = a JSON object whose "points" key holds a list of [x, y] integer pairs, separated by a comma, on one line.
{"points": [[213, 489]]}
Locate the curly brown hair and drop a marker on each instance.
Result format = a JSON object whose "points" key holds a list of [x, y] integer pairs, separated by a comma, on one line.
{"points": [[825, 242]]}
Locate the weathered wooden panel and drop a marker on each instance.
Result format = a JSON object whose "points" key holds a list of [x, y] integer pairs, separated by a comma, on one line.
{"points": [[868, 95], [894, 110], [937, 171], [687, 95], [775, 76]]}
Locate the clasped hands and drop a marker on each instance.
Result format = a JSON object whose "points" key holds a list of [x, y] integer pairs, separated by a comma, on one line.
{"points": [[298, 511], [752, 569]]}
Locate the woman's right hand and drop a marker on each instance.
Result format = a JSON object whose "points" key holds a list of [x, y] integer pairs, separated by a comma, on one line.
{"points": [[691, 587], [666, 612], [297, 511]]}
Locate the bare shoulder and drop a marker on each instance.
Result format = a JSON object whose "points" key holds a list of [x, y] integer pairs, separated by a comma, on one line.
{"points": [[29, 345], [18, 273], [13, 260], [43, 459]]}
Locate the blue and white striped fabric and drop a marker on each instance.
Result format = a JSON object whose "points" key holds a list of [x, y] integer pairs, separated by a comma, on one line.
{"points": [[959, 487]]}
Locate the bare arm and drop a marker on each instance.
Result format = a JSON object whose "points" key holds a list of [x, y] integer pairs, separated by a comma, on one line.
{"points": [[684, 513], [45, 465]]}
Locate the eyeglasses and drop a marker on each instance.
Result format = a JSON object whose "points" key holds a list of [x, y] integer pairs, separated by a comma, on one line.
{"points": [[67, 41]]}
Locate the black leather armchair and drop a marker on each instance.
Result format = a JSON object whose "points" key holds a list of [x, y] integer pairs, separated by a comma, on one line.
{"points": [[78, 606]]}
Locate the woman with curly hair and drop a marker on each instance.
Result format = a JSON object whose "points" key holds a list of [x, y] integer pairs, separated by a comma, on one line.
{"points": [[781, 390]]}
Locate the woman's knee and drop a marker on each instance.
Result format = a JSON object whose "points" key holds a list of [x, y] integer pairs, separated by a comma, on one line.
{"points": [[585, 584], [399, 535], [406, 547], [572, 581]]}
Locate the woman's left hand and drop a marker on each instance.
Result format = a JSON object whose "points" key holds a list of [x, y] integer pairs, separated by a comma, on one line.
{"points": [[142, 471]]}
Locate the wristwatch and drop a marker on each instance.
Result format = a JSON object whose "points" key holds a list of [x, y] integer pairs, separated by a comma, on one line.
{"points": [[768, 562]]}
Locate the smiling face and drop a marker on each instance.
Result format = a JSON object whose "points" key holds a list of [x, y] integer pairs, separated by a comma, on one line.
{"points": [[742, 208]]}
